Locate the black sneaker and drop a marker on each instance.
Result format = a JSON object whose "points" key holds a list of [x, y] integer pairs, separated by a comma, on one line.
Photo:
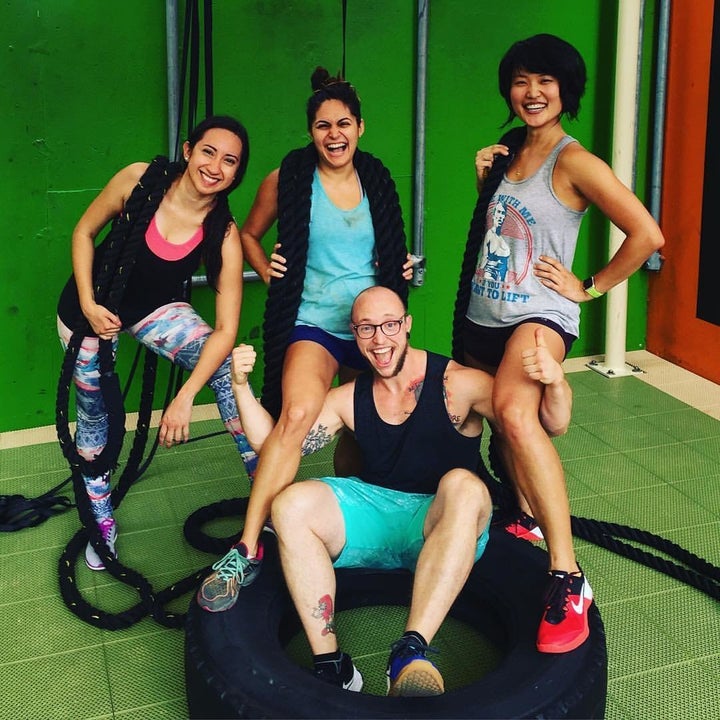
{"points": [[410, 673], [342, 673]]}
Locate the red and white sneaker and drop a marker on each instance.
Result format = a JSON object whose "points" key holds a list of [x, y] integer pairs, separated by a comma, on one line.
{"points": [[564, 625], [525, 528]]}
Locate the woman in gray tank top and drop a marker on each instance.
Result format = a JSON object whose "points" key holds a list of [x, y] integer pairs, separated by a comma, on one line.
{"points": [[523, 294]]}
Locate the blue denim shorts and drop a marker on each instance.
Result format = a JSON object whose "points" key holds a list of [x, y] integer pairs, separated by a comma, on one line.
{"points": [[383, 527]]}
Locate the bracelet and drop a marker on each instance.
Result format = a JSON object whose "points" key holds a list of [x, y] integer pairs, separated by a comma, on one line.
{"points": [[590, 289]]}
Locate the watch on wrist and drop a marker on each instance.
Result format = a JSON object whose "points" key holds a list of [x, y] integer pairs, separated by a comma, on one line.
{"points": [[590, 289]]}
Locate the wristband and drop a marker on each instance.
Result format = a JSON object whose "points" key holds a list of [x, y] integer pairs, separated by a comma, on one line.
{"points": [[590, 289]]}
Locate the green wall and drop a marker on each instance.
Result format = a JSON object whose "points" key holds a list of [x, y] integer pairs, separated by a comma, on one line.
{"points": [[83, 92]]}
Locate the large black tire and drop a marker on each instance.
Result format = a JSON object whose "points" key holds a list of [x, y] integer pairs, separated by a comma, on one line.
{"points": [[236, 665]]}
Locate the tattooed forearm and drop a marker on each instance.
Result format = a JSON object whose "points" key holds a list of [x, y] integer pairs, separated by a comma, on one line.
{"points": [[316, 439], [325, 612]]}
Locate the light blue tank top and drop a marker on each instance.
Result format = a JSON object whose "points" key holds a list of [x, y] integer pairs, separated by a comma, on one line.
{"points": [[340, 262], [525, 219]]}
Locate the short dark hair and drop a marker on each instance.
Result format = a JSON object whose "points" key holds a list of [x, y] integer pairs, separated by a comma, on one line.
{"points": [[329, 87], [546, 54], [225, 122]]}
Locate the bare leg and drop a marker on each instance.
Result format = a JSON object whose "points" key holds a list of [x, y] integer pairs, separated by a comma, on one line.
{"points": [[455, 521], [532, 457], [311, 532], [457, 517], [308, 372]]}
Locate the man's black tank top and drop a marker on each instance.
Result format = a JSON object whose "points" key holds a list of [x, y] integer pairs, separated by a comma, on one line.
{"points": [[414, 455]]}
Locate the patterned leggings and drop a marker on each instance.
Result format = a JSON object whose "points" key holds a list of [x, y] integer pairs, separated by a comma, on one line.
{"points": [[174, 331]]}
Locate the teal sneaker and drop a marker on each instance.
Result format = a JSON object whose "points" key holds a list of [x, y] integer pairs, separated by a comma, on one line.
{"points": [[219, 590], [410, 673]]}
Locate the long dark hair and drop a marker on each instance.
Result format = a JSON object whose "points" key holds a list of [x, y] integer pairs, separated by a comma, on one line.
{"points": [[219, 218]]}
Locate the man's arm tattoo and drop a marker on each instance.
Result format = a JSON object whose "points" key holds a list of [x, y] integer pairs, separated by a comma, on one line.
{"points": [[316, 439], [456, 420]]}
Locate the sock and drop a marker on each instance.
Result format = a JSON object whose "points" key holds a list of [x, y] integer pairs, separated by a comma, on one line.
{"points": [[336, 664], [243, 550], [415, 637], [98, 490]]}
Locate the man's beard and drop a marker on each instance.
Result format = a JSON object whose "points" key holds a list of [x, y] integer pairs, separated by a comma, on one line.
{"points": [[398, 366]]}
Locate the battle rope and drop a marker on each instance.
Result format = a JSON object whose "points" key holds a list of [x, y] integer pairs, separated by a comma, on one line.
{"points": [[294, 197], [694, 571]]}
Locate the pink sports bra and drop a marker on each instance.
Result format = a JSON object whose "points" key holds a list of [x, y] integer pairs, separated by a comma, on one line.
{"points": [[170, 251]]}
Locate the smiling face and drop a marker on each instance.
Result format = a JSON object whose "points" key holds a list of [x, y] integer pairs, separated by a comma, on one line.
{"points": [[335, 133], [213, 161], [535, 98], [386, 355]]}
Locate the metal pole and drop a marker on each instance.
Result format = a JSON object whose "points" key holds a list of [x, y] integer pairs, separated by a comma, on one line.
{"points": [[173, 83], [418, 245]]}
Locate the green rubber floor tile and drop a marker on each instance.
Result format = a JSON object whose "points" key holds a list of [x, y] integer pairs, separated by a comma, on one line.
{"points": [[664, 509], [577, 489], [685, 603], [68, 686], [685, 424], [34, 575], [701, 540], [33, 464], [684, 691], [146, 670], [650, 648], [639, 398], [592, 409], [578, 442], [169, 710], [709, 447], [630, 434], [610, 474], [618, 579], [674, 462], [704, 491], [42, 627]]}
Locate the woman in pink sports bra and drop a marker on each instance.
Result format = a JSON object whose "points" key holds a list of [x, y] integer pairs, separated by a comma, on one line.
{"points": [[167, 218]]}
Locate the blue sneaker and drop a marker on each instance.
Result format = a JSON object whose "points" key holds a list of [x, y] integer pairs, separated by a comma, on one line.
{"points": [[220, 588], [410, 673]]}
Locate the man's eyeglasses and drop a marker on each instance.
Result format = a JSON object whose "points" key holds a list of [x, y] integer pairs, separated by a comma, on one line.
{"points": [[368, 330]]}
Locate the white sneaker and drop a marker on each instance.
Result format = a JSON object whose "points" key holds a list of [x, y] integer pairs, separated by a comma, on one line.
{"points": [[108, 529]]}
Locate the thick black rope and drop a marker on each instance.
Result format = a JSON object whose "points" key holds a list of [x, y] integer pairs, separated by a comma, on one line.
{"points": [[294, 198], [513, 139], [694, 571]]}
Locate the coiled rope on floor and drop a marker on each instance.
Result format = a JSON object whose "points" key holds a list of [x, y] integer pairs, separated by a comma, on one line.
{"points": [[694, 571]]}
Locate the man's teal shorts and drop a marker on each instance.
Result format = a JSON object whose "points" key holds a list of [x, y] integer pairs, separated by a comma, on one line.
{"points": [[383, 527]]}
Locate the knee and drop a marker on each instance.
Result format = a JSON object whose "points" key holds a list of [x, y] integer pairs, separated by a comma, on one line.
{"points": [[293, 507], [465, 490], [296, 420], [515, 420]]}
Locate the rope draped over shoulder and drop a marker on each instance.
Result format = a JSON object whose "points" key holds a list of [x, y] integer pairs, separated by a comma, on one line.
{"points": [[294, 200], [478, 225], [110, 279]]}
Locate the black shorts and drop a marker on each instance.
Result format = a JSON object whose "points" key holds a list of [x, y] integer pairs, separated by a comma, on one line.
{"points": [[486, 345]]}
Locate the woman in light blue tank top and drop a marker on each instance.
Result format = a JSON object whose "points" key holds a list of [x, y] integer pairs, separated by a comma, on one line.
{"points": [[524, 294], [340, 231]]}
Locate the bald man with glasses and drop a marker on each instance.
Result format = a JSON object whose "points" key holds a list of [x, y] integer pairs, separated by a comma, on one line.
{"points": [[416, 504]]}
